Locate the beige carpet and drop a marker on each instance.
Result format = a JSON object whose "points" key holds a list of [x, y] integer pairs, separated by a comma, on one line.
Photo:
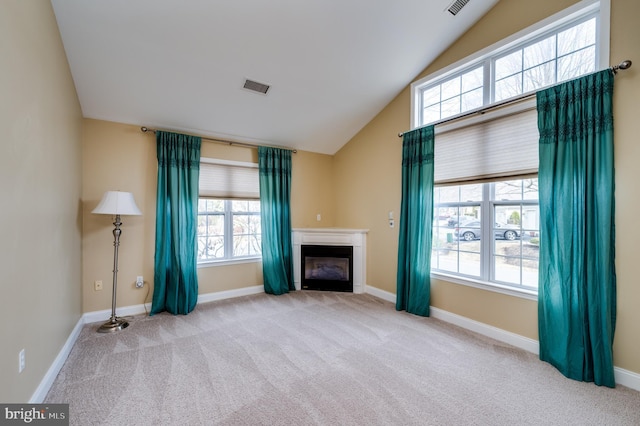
{"points": [[319, 358]]}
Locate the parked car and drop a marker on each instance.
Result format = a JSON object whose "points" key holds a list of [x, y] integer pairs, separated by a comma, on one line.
{"points": [[458, 220], [472, 231]]}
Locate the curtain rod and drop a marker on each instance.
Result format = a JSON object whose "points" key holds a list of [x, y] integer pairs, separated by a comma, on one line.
{"points": [[223, 141], [621, 66]]}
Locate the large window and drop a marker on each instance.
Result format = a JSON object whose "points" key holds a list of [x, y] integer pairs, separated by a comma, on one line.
{"points": [[542, 56], [228, 212], [486, 215], [508, 253]]}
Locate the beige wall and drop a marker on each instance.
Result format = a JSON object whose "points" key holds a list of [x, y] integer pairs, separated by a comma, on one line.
{"points": [[625, 44], [116, 157], [121, 157], [40, 183], [369, 166], [312, 190]]}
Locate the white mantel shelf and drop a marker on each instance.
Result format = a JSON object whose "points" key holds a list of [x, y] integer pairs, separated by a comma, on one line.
{"points": [[356, 238]]}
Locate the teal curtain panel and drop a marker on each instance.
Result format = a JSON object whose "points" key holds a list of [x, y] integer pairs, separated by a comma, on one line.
{"points": [[416, 216], [274, 166], [577, 279], [175, 271]]}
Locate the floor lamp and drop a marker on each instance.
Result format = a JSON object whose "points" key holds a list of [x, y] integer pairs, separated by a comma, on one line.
{"points": [[116, 203]]}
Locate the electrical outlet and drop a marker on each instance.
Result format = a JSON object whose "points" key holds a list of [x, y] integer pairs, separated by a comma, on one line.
{"points": [[97, 285], [21, 361], [139, 281]]}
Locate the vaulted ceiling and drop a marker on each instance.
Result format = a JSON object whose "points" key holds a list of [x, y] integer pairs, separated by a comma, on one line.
{"points": [[180, 65]]}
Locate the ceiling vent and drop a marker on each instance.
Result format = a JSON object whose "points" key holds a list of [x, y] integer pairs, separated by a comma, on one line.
{"points": [[255, 86], [456, 6]]}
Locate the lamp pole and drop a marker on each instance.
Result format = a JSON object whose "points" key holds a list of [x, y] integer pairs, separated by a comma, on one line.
{"points": [[114, 322]]}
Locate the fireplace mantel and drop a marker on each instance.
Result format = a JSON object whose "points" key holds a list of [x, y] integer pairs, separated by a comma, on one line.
{"points": [[356, 238]]}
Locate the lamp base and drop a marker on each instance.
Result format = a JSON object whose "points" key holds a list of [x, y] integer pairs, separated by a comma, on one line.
{"points": [[113, 325]]}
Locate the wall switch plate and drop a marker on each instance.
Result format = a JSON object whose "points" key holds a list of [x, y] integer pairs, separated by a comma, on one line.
{"points": [[21, 361], [139, 281], [97, 285]]}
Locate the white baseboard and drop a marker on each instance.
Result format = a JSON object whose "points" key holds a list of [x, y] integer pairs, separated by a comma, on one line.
{"points": [[104, 315], [381, 294], [513, 339], [627, 378], [229, 294], [125, 311], [623, 377], [48, 379], [469, 324]]}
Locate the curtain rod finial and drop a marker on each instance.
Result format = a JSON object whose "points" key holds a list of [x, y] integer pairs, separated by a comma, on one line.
{"points": [[624, 65]]}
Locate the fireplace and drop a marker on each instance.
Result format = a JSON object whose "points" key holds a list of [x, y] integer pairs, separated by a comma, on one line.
{"points": [[327, 268], [352, 240]]}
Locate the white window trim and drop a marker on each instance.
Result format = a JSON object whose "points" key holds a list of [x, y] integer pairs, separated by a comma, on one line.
{"points": [[559, 19], [494, 287], [226, 262], [228, 244]]}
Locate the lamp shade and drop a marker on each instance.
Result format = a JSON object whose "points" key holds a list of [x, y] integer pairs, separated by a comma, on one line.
{"points": [[116, 202]]}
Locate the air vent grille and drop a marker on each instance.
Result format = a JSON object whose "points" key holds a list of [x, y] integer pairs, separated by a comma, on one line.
{"points": [[256, 87], [456, 6]]}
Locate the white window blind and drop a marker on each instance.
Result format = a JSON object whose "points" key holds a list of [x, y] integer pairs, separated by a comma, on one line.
{"points": [[497, 144], [228, 180]]}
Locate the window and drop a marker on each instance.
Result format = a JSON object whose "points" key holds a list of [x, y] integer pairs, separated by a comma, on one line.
{"points": [[562, 56], [228, 212], [486, 214], [458, 94], [488, 231], [228, 229], [542, 56]]}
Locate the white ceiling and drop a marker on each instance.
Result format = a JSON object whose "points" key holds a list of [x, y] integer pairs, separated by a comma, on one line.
{"points": [[181, 64]]}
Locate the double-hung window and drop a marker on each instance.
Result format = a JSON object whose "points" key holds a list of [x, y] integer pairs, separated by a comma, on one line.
{"points": [[488, 232], [486, 215], [228, 212]]}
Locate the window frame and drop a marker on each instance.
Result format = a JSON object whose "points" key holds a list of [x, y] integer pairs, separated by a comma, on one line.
{"points": [[228, 237], [228, 215], [573, 15], [486, 279], [229, 225]]}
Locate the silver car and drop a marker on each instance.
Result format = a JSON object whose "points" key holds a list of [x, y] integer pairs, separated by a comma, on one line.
{"points": [[472, 231]]}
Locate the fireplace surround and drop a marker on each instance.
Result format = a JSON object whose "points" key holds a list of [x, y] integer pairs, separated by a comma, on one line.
{"points": [[327, 248]]}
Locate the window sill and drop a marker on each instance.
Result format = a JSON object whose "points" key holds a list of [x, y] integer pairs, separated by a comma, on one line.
{"points": [[496, 288], [226, 262]]}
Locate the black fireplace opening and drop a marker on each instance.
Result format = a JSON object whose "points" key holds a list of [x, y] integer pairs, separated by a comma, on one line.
{"points": [[328, 268]]}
